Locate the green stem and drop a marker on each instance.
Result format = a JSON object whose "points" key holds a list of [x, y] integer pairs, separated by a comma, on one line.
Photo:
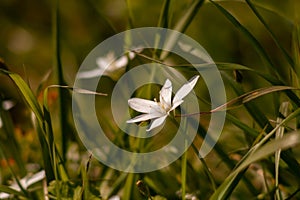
{"points": [[60, 79], [183, 171]]}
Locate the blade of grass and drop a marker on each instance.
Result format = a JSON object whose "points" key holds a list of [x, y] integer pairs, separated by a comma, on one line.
{"points": [[99, 10], [279, 134], [62, 172], [229, 184], [261, 19], [268, 8], [33, 104], [218, 148], [296, 50], [258, 47], [26, 92], [164, 15], [129, 186], [206, 168], [129, 14], [221, 66], [47, 157], [287, 141], [13, 174], [249, 96], [181, 26], [7, 130], [237, 122], [264, 123], [183, 173], [250, 37], [64, 96], [117, 184]]}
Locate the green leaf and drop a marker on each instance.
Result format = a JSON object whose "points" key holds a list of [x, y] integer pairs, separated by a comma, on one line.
{"points": [[26, 92], [33, 104]]}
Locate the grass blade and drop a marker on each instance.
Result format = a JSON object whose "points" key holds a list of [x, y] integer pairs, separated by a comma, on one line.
{"points": [[33, 104], [260, 150], [279, 134], [237, 122], [261, 19], [287, 141], [64, 96], [164, 18], [250, 37], [249, 96], [26, 92], [8, 140], [183, 175], [181, 26]]}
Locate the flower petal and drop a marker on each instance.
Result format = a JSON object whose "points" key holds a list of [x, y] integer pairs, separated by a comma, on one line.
{"points": [[90, 74], [144, 117], [143, 105], [105, 61], [121, 62], [157, 122], [185, 90], [165, 95], [175, 105]]}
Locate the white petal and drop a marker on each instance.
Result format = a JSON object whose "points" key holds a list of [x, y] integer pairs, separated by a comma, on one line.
{"points": [[175, 105], [143, 105], [8, 104], [121, 62], [90, 74], [35, 178], [165, 95], [25, 183], [157, 122], [185, 90], [144, 117], [103, 62], [185, 47], [131, 55]]}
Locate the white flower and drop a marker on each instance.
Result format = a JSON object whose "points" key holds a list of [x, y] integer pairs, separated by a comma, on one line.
{"points": [[6, 105], [158, 111], [25, 183], [110, 66]]}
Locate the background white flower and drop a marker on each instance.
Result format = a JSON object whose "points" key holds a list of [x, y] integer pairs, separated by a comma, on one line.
{"points": [[158, 111], [110, 66], [25, 183]]}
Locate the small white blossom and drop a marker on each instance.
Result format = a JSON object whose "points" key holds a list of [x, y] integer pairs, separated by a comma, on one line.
{"points": [[109, 66], [159, 111], [25, 183], [6, 105]]}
